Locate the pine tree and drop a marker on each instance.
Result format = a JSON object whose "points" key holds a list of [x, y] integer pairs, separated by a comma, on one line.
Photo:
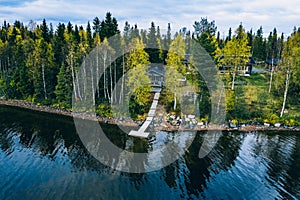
{"points": [[59, 45], [45, 31], [89, 35], [63, 89], [96, 26], [76, 35], [168, 37], [152, 45], [205, 26], [259, 46], [208, 42], [250, 39], [126, 32], [51, 33], [108, 27], [229, 37], [135, 33]]}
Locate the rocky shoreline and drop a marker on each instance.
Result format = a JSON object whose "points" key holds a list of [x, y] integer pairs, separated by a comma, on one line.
{"points": [[50, 109], [131, 123]]}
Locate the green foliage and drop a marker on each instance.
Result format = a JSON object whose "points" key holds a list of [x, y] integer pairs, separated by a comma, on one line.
{"points": [[290, 69], [153, 44], [230, 103], [208, 42], [136, 109], [104, 110], [272, 118], [63, 89], [236, 52], [108, 27], [176, 54], [259, 46], [138, 81], [40, 65], [290, 122], [175, 68], [234, 121], [204, 26]]}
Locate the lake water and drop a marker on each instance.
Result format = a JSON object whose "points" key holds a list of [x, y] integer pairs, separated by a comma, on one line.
{"points": [[42, 157]]}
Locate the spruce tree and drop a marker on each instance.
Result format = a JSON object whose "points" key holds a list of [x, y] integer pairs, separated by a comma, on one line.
{"points": [[259, 48], [63, 89], [152, 45], [89, 35], [96, 25], [45, 31]]}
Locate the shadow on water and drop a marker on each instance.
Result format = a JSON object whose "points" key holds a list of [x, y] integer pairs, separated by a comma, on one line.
{"points": [[42, 156]]}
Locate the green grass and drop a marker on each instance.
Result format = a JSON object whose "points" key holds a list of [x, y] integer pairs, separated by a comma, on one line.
{"points": [[254, 86], [261, 80], [256, 91]]}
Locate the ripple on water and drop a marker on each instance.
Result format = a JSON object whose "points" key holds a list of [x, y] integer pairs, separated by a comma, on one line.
{"points": [[39, 161]]}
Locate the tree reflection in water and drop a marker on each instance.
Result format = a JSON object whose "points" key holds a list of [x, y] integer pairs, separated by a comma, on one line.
{"points": [[42, 154]]}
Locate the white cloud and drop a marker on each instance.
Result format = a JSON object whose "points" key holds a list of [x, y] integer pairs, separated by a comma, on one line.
{"points": [[227, 13]]}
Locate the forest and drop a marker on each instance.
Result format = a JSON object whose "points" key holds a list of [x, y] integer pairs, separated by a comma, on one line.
{"points": [[40, 63]]}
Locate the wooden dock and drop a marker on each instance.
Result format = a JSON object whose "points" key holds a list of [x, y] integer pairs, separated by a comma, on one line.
{"points": [[151, 114]]}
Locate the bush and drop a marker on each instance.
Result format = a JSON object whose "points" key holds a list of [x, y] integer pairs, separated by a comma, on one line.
{"points": [[46, 102], [290, 122], [104, 110], [272, 118], [234, 121]]}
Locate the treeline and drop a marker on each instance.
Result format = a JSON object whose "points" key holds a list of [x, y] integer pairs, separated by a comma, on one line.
{"points": [[40, 64]]}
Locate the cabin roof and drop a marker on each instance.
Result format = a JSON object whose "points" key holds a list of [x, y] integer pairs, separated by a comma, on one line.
{"points": [[156, 70], [275, 61], [251, 61]]}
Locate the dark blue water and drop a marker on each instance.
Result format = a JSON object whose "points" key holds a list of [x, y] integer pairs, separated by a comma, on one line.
{"points": [[42, 157]]}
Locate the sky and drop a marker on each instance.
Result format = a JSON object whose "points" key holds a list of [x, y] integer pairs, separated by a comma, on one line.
{"points": [[283, 15]]}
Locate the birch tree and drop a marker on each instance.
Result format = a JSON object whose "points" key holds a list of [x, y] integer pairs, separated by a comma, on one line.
{"points": [[121, 98], [175, 67], [138, 81], [40, 63], [235, 53], [291, 65], [106, 51]]}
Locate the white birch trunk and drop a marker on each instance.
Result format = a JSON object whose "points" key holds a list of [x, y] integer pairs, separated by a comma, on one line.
{"points": [[233, 78], [111, 81], [271, 77], [44, 81], [73, 77], [78, 88], [104, 74], [115, 81], [122, 86], [175, 99], [220, 99], [285, 92], [97, 72], [93, 88], [84, 79]]}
